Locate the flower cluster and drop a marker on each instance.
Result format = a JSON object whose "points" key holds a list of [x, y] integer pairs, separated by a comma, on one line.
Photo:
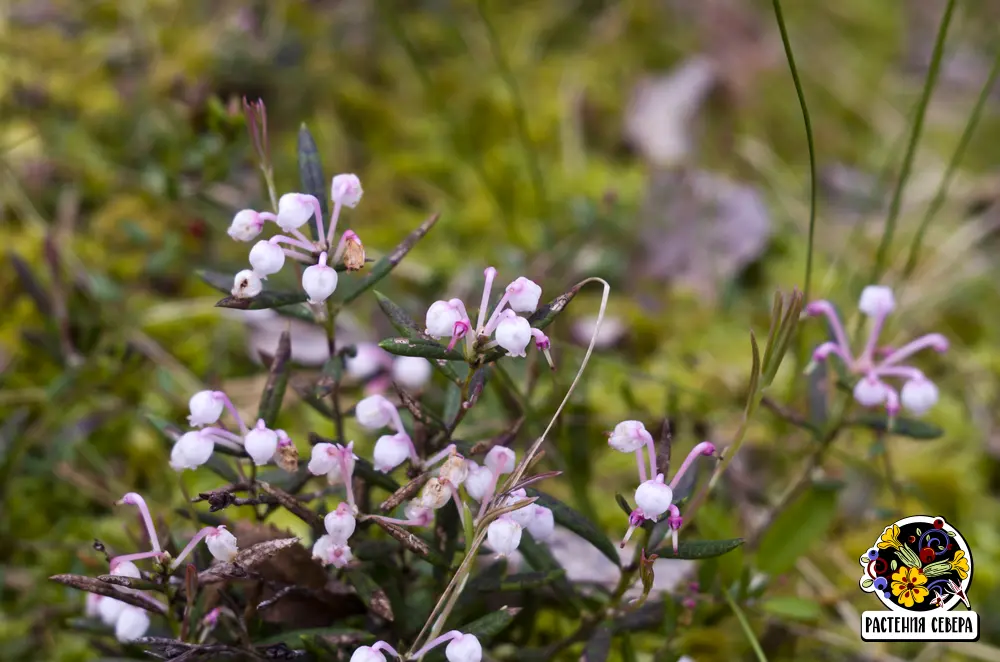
{"points": [[654, 496], [262, 444], [267, 257], [332, 548], [461, 648], [129, 621], [449, 319], [874, 364]]}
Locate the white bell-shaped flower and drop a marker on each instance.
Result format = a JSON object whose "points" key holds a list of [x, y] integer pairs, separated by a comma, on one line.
{"points": [[206, 408], [454, 471], [870, 392], [324, 459], [266, 258], [246, 225], [110, 609], [500, 460], [513, 333], [876, 300], [261, 443], [503, 535], [542, 524], [329, 552], [522, 515], [374, 412], [411, 372], [629, 436], [478, 481], [132, 624], [465, 648], [390, 452], [319, 281], [340, 524], [368, 359], [222, 544], [126, 569], [442, 317], [523, 295], [295, 210], [92, 606], [919, 395], [192, 450], [246, 285], [367, 654], [346, 189], [653, 497], [434, 494]]}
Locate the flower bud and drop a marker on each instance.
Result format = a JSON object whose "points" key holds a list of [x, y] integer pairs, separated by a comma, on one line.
{"points": [[192, 450], [205, 408], [294, 210], [222, 544], [629, 436], [653, 497], [368, 359], [132, 623], [266, 258], [465, 648], [390, 452], [354, 252], [478, 481], [340, 524], [246, 285], [435, 494], [919, 395], [246, 225], [319, 281], [442, 317], [870, 392], [374, 412], [323, 460], [261, 443], [513, 333], [503, 535], [288, 454], [500, 460], [367, 654], [876, 300], [454, 471], [346, 189], [542, 524], [523, 295], [411, 372], [329, 552]]}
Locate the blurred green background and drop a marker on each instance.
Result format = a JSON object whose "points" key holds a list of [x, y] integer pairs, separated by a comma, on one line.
{"points": [[658, 144]]}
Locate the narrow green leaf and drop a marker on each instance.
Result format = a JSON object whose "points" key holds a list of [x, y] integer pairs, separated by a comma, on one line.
{"points": [[903, 427], [772, 330], [370, 593], [295, 637], [311, 176], [754, 374], [264, 300], [799, 609], [517, 582], [578, 524], [492, 624], [540, 558], [405, 325], [802, 525], [745, 625], [425, 349], [224, 283], [277, 380], [452, 403], [382, 268], [699, 549]]}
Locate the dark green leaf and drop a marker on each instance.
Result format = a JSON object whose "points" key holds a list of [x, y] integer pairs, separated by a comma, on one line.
{"points": [[409, 329], [311, 176], [517, 582], [266, 299], [904, 427], [370, 593], [578, 524], [382, 268], [491, 625], [277, 380], [754, 373], [598, 646], [540, 558], [799, 609], [801, 526], [699, 549], [452, 403], [425, 349], [295, 637], [224, 283]]}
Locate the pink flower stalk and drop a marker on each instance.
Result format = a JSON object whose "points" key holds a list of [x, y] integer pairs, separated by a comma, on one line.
{"points": [[875, 363], [134, 499], [373, 653], [220, 542], [461, 647]]}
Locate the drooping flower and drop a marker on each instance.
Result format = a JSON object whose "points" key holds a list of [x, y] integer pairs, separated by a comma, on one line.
{"points": [[340, 524], [513, 333], [542, 523], [261, 443], [247, 285], [192, 450], [319, 281], [295, 210], [206, 408], [874, 364], [461, 647], [330, 552], [346, 190], [266, 258], [246, 225], [222, 544], [336, 462], [503, 535], [411, 372], [132, 623], [391, 450], [373, 653]]}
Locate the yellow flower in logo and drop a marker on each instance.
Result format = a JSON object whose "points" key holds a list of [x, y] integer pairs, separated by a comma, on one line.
{"points": [[960, 564], [908, 586], [889, 538]]}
